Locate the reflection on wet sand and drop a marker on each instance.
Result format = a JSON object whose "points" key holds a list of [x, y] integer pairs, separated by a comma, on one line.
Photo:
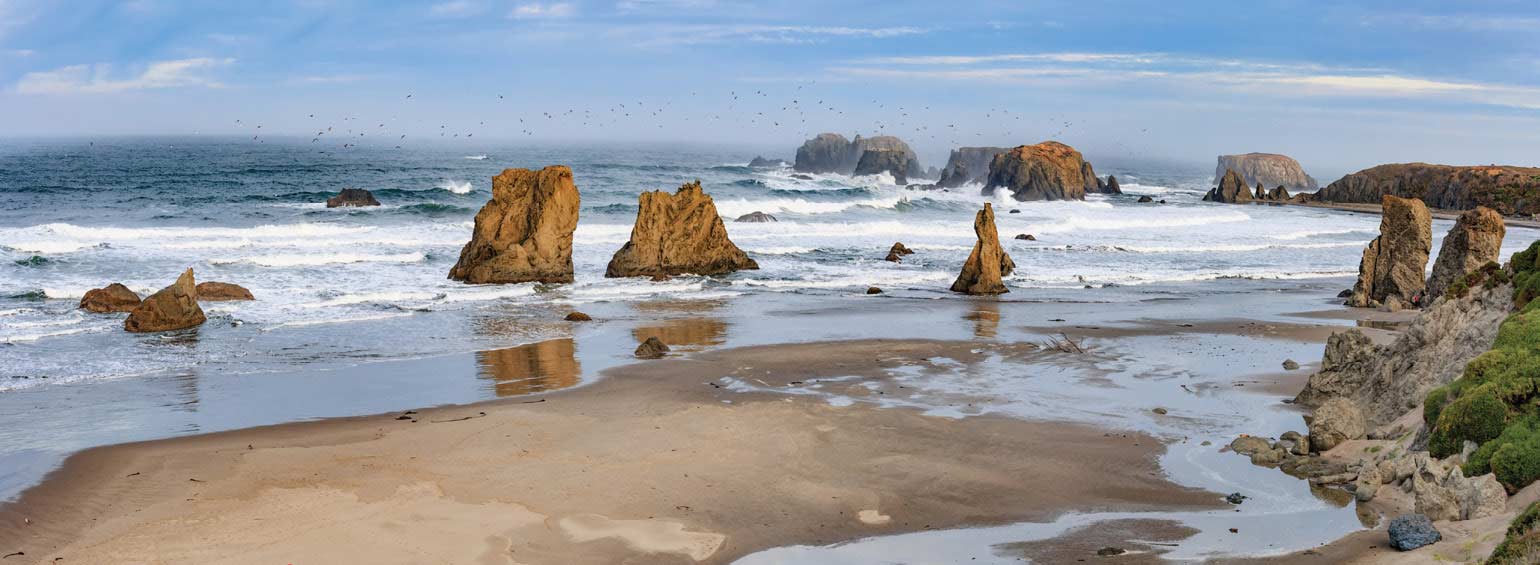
{"points": [[986, 318], [685, 332], [536, 367]]}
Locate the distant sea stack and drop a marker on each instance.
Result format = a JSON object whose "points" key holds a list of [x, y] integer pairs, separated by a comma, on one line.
{"points": [[968, 164], [876, 161], [352, 197], [832, 153], [676, 234], [524, 234], [1047, 171], [763, 163], [1232, 189], [1508, 190], [1270, 169]]}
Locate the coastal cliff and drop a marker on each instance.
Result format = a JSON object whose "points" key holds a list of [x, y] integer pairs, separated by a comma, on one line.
{"points": [[1508, 190]]}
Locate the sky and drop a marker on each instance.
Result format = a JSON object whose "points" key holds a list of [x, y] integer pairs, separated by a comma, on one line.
{"points": [[1339, 85]]}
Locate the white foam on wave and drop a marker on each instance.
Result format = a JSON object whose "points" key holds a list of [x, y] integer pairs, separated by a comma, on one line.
{"points": [[457, 187], [1307, 234], [337, 320], [292, 260], [1125, 222], [476, 157], [376, 298]]}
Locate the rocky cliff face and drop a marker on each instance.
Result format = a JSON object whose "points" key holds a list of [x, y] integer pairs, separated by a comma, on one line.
{"points": [[525, 232], [1508, 190], [1269, 169], [1232, 189], [831, 153], [968, 164], [1390, 273], [988, 263], [1475, 240], [172, 308], [1046, 171], [676, 234], [896, 163]]}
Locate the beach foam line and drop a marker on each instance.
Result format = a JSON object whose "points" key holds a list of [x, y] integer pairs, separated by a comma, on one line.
{"points": [[286, 260], [327, 321]]}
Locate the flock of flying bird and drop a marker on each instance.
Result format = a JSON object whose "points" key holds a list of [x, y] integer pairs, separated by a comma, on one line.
{"points": [[756, 110]]}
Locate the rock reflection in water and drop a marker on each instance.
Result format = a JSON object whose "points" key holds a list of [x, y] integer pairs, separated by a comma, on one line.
{"points": [[526, 369], [985, 317], [685, 332]]}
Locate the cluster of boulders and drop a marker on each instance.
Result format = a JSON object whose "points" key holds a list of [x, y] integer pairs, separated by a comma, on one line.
{"points": [[172, 308], [833, 153], [1233, 189], [1047, 171]]}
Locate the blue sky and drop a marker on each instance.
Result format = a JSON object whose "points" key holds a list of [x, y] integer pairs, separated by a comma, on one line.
{"points": [[1342, 85]]}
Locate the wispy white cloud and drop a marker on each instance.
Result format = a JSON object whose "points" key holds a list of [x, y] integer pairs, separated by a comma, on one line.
{"points": [[95, 79], [20, 52], [791, 34], [539, 11]]}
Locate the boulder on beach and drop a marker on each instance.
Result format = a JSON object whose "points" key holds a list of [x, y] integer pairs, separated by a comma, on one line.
{"points": [[524, 233], [873, 290], [1441, 491], [898, 250], [676, 234], [577, 317], [1390, 273], [1026, 237], [652, 348], [1232, 189], [968, 165], [756, 217], [352, 197], [1475, 240], [875, 161], [763, 163], [172, 308], [1336, 421], [1270, 169], [1507, 189], [1411, 532], [111, 298], [212, 291], [1047, 171], [987, 263]]}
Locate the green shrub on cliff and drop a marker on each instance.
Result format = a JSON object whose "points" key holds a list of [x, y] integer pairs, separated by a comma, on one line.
{"points": [[1522, 544], [1521, 430], [1477, 416], [1521, 330], [1517, 464], [1526, 275]]}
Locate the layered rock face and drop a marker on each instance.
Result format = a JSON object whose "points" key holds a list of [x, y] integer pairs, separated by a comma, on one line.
{"points": [[1232, 189], [968, 164], [876, 161], [112, 298], [352, 197], [1508, 190], [1390, 273], [1475, 240], [832, 153], [1046, 171], [213, 291], [1432, 351], [982, 272], [676, 234], [172, 308], [1268, 169], [525, 232]]}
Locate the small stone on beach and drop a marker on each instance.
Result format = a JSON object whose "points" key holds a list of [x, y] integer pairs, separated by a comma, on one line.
{"points": [[577, 317], [1290, 365], [652, 348]]}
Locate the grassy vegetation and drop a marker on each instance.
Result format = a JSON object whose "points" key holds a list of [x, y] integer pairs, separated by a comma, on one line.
{"points": [[1522, 544]]}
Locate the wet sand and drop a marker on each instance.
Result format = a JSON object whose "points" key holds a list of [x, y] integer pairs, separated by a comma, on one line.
{"points": [[654, 463]]}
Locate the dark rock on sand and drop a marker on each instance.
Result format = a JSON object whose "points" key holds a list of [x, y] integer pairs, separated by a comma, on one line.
{"points": [[172, 308], [1508, 190], [1231, 190], [756, 217], [987, 263], [577, 317], [213, 291], [1475, 240], [1266, 168], [763, 163], [1026, 237], [1046, 171], [873, 290], [525, 232], [1412, 531], [1290, 364], [897, 252], [111, 298], [1390, 273], [1235, 498], [893, 162], [652, 348], [676, 234], [1110, 551], [1145, 199], [352, 197]]}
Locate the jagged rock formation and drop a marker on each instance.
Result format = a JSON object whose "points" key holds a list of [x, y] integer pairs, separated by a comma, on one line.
{"points": [[1385, 381], [1475, 240], [111, 298], [1093, 183], [1445, 493], [968, 165], [756, 217], [831, 153], [763, 163], [1390, 273], [897, 252], [1232, 189], [212, 291], [876, 161], [352, 197], [1046, 171], [987, 263], [1279, 194], [1266, 168], [525, 232], [172, 308], [1112, 185], [676, 234], [1508, 190]]}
